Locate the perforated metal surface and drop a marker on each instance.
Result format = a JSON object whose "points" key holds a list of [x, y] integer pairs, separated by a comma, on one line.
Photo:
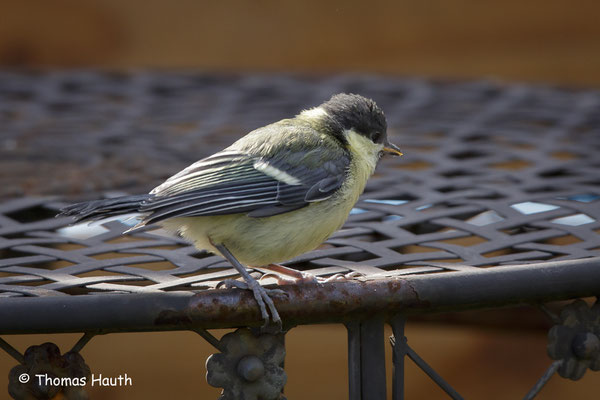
{"points": [[492, 175]]}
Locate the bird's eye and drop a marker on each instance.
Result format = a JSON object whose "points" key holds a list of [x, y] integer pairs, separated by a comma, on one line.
{"points": [[376, 137]]}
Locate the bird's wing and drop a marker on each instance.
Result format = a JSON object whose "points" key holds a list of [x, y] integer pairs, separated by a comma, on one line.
{"points": [[233, 182]]}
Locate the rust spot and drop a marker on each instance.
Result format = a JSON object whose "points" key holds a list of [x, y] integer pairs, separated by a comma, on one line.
{"points": [[171, 317], [337, 305]]}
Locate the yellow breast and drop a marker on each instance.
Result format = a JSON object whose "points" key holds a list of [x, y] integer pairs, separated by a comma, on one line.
{"points": [[262, 241]]}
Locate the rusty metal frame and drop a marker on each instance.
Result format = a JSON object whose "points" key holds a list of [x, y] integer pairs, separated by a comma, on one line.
{"points": [[334, 302]]}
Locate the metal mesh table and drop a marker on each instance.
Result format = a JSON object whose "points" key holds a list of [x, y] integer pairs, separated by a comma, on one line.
{"points": [[495, 202]]}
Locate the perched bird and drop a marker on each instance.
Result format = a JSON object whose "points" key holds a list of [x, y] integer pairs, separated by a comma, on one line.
{"points": [[276, 193]]}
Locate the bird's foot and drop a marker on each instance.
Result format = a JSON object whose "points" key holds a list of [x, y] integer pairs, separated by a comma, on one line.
{"points": [[288, 276], [260, 293], [235, 284], [263, 298], [343, 277], [285, 275]]}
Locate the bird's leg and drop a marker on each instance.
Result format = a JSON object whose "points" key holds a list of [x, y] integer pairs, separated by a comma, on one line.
{"points": [[260, 294], [285, 275]]}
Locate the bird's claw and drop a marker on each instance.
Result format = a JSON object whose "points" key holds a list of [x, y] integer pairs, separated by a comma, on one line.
{"points": [[290, 280], [343, 277], [231, 284], [262, 295]]}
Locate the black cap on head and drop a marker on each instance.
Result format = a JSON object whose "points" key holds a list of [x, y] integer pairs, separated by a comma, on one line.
{"points": [[351, 111]]}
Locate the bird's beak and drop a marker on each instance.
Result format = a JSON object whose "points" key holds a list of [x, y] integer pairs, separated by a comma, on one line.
{"points": [[390, 148]]}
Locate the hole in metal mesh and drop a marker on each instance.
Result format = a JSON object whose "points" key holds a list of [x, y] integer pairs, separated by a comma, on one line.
{"points": [[38, 282], [563, 155], [574, 220], [465, 241], [355, 257], [423, 228], [542, 189], [126, 239], [86, 230], [71, 86], [52, 265], [562, 240], [391, 202], [521, 229], [555, 173], [468, 154], [503, 252], [414, 165], [415, 248], [512, 165], [372, 237], [410, 149], [62, 246], [8, 274], [520, 145], [531, 207], [210, 270], [400, 198], [488, 196], [456, 173], [31, 214], [449, 189], [477, 138], [10, 253], [445, 260], [485, 218], [582, 198], [435, 135], [391, 218], [465, 216]]}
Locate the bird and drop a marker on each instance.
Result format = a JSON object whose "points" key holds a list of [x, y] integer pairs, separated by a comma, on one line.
{"points": [[277, 192]]}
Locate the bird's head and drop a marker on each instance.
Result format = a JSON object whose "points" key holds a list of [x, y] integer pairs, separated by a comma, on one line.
{"points": [[348, 116]]}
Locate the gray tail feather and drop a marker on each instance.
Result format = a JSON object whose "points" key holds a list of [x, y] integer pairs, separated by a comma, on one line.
{"points": [[99, 209]]}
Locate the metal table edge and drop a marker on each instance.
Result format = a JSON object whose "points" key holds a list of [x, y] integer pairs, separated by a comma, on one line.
{"points": [[333, 302]]}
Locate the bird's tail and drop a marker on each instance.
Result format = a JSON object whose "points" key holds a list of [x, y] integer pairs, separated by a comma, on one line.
{"points": [[99, 209]]}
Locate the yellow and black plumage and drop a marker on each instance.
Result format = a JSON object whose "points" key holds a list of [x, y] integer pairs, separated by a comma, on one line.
{"points": [[276, 193]]}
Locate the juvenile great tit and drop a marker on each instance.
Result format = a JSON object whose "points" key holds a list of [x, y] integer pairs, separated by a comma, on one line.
{"points": [[276, 193]]}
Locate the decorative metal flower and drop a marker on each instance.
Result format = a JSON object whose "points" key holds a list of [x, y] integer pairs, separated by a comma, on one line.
{"points": [[45, 373], [249, 368], [576, 340]]}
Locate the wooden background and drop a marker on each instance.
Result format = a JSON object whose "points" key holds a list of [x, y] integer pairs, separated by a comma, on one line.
{"points": [[535, 41]]}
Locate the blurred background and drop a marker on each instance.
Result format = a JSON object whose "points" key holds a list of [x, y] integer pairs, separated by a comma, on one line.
{"points": [[552, 41], [555, 42]]}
